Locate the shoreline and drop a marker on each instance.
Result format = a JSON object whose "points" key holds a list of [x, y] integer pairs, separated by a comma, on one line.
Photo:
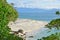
{"points": [[27, 25], [35, 19]]}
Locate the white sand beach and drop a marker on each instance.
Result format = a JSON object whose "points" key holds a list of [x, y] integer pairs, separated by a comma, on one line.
{"points": [[27, 25]]}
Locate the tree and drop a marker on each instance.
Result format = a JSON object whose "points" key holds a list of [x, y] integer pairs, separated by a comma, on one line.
{"points": [[7, 14], [57, 12], [55, 36], [55, 23]]}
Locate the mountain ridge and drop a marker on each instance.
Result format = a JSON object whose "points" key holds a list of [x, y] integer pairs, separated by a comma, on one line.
{"points": [[36, 10]]}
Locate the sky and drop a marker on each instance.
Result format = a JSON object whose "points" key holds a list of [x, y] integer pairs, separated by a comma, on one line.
{"points": [[43, 4]]}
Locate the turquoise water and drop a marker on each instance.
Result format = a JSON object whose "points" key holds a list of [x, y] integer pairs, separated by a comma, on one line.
{"points": [[42, 16]]}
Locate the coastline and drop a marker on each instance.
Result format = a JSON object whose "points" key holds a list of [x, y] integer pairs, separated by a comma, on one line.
{"points": [[27, 25]]}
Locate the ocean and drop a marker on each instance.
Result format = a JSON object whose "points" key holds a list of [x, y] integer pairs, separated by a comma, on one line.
{"points": [[38, 14]]}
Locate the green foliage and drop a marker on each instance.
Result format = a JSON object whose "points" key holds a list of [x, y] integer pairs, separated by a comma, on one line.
{"points": [[8, 10], [55, 36], [7, 14], [11, 37], [57, 12], [54, 23]]}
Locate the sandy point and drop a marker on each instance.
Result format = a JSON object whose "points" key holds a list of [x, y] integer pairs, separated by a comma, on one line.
{"points": [[27, 25]]}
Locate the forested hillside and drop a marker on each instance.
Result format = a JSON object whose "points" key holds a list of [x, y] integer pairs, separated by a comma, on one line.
{"points": [[7, 14]]}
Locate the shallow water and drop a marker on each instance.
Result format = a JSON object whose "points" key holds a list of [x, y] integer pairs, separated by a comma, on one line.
{"points": [[42, 32]]}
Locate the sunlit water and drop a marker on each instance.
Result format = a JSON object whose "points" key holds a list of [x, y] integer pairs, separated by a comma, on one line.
{"points": [[42, 32]]}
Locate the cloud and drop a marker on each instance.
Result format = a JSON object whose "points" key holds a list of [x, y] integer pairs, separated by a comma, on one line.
{"points": [[46, 4]]}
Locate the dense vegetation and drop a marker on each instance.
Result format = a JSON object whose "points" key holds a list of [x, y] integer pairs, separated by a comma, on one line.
{"points": [[7, 14], [55, 23], [55, 36]]}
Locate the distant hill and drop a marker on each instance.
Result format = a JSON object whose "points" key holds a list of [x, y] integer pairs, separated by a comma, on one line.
{"points": [[36, 10]]}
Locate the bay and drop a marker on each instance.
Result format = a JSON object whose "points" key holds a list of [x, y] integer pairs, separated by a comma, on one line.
{"points": [[38, 14]]}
